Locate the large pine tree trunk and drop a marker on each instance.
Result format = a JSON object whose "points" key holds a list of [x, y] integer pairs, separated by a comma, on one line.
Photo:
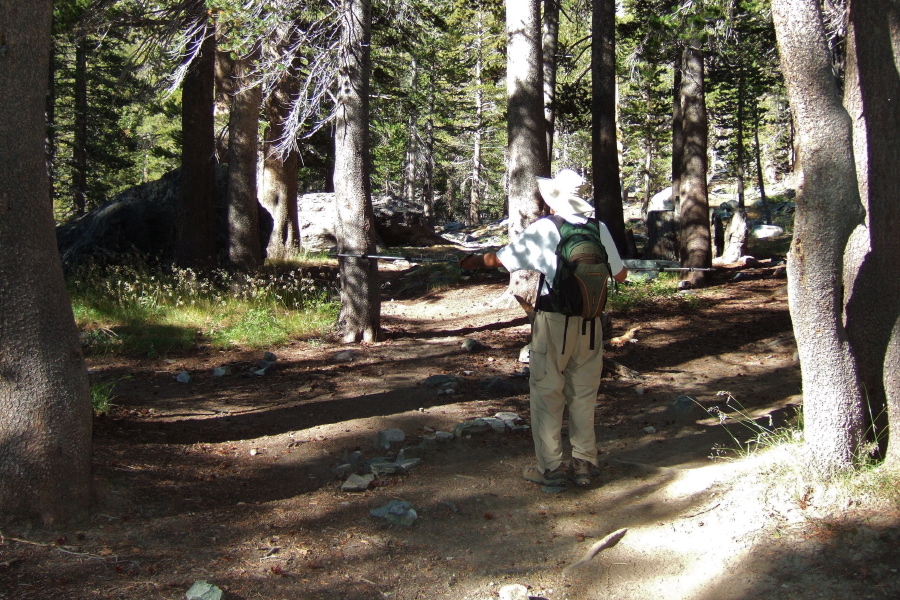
{"points": [[195, 215], [279, 185], [828, 210], [45, 406], [549, 45], [695, 248], [244, 248], [872, 272], [677, 134], [360, 314], [526, 127], [605, 151]]}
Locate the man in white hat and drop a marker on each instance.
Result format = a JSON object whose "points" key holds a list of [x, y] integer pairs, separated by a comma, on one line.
{"points": [[563, 373]]}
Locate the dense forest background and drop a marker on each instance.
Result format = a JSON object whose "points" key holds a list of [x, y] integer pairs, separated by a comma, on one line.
{"points": [[438, 98]]}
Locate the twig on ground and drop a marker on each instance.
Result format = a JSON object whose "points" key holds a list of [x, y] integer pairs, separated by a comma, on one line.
{"points": [[702, 512], [607, 542]]}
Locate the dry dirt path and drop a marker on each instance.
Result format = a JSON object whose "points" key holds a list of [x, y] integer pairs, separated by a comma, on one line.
{"points": [[231, 479]]}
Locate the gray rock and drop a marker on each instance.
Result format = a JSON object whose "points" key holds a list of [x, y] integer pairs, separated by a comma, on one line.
{"points": [[222, 371], [471, 346], [683, 408], [761, 232], [183, 377], [439, 381], [202, 590], [525, 354], [344, 356], [357, 483], [388, 437], [515, 591], [344, 470], [473, 427], [397, 512]]}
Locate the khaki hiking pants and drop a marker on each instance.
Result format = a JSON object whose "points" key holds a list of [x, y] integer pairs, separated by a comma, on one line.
{"points": [[566, 364]]}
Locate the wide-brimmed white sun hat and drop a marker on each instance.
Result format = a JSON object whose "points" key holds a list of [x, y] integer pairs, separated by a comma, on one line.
{"points": [[566, 193]]}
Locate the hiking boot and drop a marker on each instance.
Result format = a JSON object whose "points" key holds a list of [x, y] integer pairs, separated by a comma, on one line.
{"points": [[556, 477], [581, 472]]}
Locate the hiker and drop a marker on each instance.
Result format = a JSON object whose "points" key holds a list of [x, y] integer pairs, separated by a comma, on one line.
{"points": [[566, 358]]}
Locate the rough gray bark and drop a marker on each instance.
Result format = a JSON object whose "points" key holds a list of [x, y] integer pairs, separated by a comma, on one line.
{"points": [[45, 406], [549, 43], [693, 219], [872, 269], [605, 150], [195, 221], [244, 248], [828, 210], [360, 314], [279, 184], [526, 129], [677, 134]]}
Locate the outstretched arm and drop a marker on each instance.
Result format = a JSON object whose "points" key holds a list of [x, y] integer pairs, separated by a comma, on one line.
{"points": [[480, 261]]}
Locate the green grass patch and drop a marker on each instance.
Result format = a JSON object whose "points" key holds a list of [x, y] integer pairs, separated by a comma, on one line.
{"points": [[649, 294], [147, 309]]}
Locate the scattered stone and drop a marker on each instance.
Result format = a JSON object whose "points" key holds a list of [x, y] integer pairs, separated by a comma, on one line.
{"points": [[202, 590], [222, 371], [183, 377], [388, 437], [471, 346], [355, 458], [766, 231], [440, 381], [650, 429], [525, 354], [684, 284], [253, 451], [357, 483], [512, 421], [683, 407], [396, 512], [515, 591], [344, 356], [446, 392], [443, 436], [473, 427], [741, 276], [779, 273], [344, 470], [268, 356]]}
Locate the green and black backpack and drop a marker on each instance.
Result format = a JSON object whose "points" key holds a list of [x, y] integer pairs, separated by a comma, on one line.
{"points": [[579, 288]]}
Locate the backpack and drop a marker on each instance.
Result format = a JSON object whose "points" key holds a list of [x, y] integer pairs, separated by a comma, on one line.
{"points": [[582, 271]]}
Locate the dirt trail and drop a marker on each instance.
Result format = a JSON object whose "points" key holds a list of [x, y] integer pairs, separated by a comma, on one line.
{"points": [[231, 479]]}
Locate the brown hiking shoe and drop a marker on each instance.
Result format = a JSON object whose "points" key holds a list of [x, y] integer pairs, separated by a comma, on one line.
{"points": [[581, 472], [556, 477]]}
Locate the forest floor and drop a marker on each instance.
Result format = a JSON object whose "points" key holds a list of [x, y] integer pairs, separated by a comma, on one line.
{"points": [[231, 479]]}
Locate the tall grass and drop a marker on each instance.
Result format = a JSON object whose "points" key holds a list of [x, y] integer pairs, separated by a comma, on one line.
{"points": [[143, 308], [649, 294]]}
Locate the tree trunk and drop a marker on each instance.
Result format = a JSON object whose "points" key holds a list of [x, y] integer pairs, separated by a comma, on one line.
{"points": [[677, 135], [45, 406], [195, 218], [828, 210], [693, 221], [739, 171], [550, 41], [605, 151], [79, 135], [360, 314], [411, 157], [428, 154], [244, 248], [279, 185], [873, 306], [475, 191], [51, 120], [526, 129], [760, 175]]}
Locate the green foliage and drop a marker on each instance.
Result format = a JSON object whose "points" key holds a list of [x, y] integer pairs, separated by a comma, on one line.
{"points": [[649, 295], [149, 310], [754, 433], [102, 395]]}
